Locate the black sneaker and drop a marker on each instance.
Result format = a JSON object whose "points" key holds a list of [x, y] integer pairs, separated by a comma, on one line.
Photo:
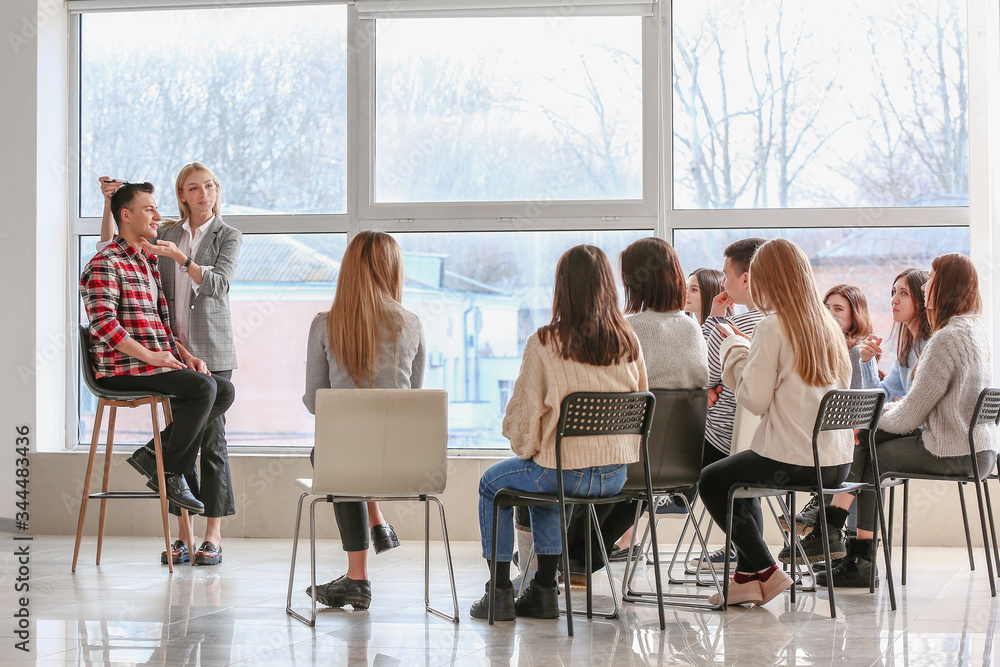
{"points": [[855, 571], [538, 601], [805, 520], [337, 593], [505, 605], [812, 545]]}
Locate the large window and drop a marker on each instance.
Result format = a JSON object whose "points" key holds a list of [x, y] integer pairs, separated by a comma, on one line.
{"points": [[479, 296], [281, 282], [488, 145], [258, 94], [793, 103], [508, 109]]}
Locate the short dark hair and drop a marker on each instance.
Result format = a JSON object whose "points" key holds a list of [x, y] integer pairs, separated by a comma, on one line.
{"points": [[124, 196], [651, 273], [741, 252]]}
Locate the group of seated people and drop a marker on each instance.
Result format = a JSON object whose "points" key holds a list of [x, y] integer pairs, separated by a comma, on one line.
{"points": [[776, 358]]}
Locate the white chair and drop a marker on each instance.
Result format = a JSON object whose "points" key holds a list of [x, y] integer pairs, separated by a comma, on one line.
{"points": [[378, 444]]}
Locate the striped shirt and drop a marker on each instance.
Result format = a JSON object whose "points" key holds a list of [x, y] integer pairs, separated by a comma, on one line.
{"points": [[120, 291], [719, 424]]}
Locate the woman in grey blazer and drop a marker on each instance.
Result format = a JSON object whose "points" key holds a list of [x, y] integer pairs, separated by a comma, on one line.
{"points": [[204, 250]]}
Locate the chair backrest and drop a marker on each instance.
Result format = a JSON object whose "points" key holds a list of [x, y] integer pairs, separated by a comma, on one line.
{"points": [[381, 441], [987, 411], [594, 413], [849, 408], [676, 440], [87, 362]]}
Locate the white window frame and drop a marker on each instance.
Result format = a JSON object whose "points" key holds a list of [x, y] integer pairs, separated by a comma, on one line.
{"points": [[654, 211]]}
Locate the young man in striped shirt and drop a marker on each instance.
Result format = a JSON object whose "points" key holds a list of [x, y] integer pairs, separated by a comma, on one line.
{"points": [[134, 348], [722, 401]]}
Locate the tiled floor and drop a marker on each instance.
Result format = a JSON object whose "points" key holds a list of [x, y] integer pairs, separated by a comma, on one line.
{"points": [[131, 611]]}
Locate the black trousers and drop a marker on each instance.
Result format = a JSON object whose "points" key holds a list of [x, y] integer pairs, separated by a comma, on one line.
{"points": [[616, 519], [199, 399], [352, 521], [215, 488], [748, 521]]}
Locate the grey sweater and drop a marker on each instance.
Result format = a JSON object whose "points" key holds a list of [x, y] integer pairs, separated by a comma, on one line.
{"points": [[954, 367], [674, 348], [398, 367]]}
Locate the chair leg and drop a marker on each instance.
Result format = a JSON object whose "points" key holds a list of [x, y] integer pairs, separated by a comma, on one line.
{"points": [[986, 536], [86, 480], [886, 544], [906, 525], [589, 526], [161, 478], [631, 565], [965, 522], [993, 528], [563, 522], [291, 569], [650, 507], [106, 483], [795, 538], [728, 549], [892, 513], [447, 555], [829, 560]]}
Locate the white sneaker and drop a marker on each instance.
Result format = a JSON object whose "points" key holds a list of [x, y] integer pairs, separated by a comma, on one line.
{"points": [[717, 559]]}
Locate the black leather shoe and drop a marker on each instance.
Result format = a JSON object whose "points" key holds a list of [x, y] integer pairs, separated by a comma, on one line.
{"points": [[505, 605], [178, 552], [538, 601], [337, 593], [178, 493], [384, 538], [144, 462]]}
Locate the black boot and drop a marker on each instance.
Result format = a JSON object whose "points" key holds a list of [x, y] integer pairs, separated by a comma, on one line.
{"points": [[538, 601], [855, 570]]}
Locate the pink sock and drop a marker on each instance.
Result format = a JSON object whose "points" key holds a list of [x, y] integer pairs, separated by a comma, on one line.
{"points": [[766, 573]]}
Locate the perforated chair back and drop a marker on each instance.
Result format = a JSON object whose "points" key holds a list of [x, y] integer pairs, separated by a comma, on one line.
{"points": [[589, 413], [676, 440], [987, 407], [849, 408], [381, 442]]}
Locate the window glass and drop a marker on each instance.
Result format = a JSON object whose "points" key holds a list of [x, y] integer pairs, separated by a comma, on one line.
{"points": [[805, 104], [479, 296], [508, 109], [281, 282], [868, 257], [258, 94]]}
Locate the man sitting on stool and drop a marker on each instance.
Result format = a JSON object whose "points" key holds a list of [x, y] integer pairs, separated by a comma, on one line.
{"points": [[135, 350]]}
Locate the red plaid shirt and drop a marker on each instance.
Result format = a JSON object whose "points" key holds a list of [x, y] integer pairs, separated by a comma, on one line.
{"points": [[119, 304]]}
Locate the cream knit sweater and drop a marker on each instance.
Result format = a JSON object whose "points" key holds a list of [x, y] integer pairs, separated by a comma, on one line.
{"points": [[953, 369], [533, 410]]}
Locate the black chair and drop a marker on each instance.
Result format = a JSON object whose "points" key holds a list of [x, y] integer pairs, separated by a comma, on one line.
{"points": [[676, 444], [115, 400], [987, 411], [585, 414], [839, 410]]}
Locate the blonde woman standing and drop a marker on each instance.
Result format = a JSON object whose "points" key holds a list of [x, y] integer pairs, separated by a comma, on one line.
{"points": [[366, 340], [204, 251], [797, 355]]}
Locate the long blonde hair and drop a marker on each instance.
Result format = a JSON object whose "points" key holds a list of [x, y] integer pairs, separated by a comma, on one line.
{"points": [[370, 281], [182, 176], [781, 281]]}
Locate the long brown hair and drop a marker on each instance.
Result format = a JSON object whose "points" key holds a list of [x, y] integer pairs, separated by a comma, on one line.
{"points": [[781, 281], [709, 286], [369, 282], [955, 290], [651, 273], [861, 319], [587, 324], [915, 279]]}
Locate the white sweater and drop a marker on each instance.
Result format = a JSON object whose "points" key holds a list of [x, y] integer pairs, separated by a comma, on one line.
{"points": [[762, 375], [675, 351], [533, 410], [953, 369]]}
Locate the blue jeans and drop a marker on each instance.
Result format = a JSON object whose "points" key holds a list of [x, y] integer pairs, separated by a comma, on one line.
{"points": [[526, 475]]}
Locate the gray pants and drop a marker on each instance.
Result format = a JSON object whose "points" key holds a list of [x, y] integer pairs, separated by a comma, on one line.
{"points": [[907, 455]]}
